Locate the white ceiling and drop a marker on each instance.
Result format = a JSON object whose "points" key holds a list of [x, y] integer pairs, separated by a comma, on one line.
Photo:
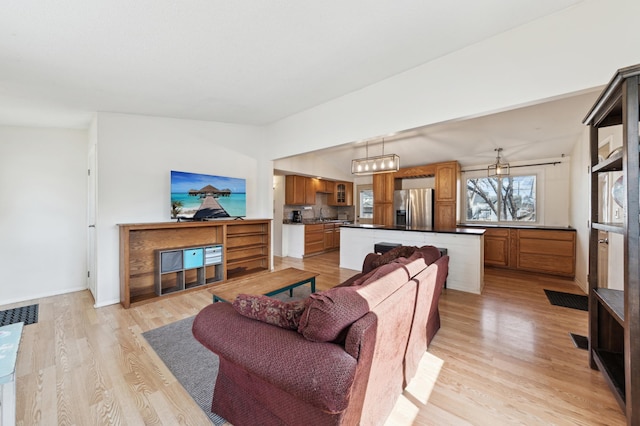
{"points": [[546, 130], [250, 61]]}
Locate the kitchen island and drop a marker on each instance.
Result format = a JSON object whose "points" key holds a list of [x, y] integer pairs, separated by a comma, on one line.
{"points": [[465, 247]]}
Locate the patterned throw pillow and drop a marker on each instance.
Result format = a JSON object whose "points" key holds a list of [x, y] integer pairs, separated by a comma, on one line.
{"points": [[271, 311], [393, 254]]}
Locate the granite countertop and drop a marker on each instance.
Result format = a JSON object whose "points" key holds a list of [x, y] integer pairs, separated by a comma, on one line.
{"points": [[514, 226], [461, 231], [315, 221]]}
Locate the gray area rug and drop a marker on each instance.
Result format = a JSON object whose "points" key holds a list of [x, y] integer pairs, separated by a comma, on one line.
{"points": [[195, 366]]}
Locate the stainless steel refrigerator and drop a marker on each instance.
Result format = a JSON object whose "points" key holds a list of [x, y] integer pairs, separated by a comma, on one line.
{"points": [[413, 208]]}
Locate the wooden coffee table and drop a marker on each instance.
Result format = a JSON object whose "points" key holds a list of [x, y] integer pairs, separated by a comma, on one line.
{"points": [[267, 284]]}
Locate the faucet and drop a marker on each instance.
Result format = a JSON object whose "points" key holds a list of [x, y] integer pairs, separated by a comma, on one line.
{"points": [[320, 213]]}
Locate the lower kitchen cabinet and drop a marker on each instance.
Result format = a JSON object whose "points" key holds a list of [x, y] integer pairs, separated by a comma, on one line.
{"points": [[321, 237], [548, 251], [551, 252], [496, 247], [313, 239]]}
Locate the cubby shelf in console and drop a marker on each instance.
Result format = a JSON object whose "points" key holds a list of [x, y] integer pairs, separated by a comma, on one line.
{"points": [[180, 269]]}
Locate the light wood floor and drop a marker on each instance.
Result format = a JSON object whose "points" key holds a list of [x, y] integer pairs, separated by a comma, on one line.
{"points": [[501, 358]]}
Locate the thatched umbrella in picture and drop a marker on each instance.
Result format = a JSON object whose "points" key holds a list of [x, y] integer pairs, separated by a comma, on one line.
{"points": [[210, 207]]}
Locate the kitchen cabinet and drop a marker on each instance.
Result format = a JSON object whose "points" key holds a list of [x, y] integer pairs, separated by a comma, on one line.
{"points": [[496, 247], [313, 239], [445, 205], [547, 251], [321, 237], [444, 215], [328, 236], [446, 181], [330, 239], [323, 186], [342, 194], [446, 192], [383, 187], [299, 190]]}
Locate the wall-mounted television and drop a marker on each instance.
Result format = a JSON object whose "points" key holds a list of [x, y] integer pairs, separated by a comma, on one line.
{"points": [[196, 196]]}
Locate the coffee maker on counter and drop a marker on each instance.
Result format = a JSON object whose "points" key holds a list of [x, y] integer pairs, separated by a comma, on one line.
{"points": [[296, 216]]}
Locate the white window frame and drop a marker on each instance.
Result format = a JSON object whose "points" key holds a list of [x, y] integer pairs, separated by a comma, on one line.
{"points": [[539, 175]]}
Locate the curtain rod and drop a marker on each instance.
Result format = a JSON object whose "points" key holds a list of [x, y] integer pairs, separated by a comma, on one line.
{"points": [[513, 167]]}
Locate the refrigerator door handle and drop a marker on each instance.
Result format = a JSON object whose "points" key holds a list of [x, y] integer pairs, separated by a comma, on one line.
{"points": [[409, 212]]}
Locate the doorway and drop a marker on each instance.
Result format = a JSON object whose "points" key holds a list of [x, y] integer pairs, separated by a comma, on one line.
{"points": [[91, 222]]}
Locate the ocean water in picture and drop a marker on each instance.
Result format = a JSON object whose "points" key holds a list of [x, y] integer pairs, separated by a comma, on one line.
{"points": [[207, 196], [235, 204]]}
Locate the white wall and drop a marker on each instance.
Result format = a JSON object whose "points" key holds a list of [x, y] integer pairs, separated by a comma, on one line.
{"points": [[570, 51], [43, 177], [136, 155], [579, 206], [615, 278]]}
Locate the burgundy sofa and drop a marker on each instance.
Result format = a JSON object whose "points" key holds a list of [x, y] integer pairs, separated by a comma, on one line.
{"points": [[356, 347]]}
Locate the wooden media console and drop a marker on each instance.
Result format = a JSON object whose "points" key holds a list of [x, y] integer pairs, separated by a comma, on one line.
{"points": [[246, 246]]}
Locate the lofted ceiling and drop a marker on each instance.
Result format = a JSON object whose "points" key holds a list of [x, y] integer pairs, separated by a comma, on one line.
{"points": [[548, 129], [248, 62]]}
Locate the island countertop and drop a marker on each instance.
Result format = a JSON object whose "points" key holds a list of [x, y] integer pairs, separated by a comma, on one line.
{"points": [[458, 231]]}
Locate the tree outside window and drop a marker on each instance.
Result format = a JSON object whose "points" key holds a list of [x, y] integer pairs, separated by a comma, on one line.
{"points": [[516, 201]]}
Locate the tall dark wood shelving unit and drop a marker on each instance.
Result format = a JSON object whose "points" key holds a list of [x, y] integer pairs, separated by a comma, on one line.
{"points": [[614, 315]]}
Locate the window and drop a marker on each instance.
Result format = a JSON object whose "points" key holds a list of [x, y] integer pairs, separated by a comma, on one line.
{"points": [[506, 199], [366, 204]]}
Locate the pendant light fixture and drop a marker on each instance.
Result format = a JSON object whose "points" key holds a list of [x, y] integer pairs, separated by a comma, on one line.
{"points": [[379, 164], [499, 168]]}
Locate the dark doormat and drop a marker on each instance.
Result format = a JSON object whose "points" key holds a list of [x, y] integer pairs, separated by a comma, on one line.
{"points": [[26, 314], [568, 300], [581, 342]]}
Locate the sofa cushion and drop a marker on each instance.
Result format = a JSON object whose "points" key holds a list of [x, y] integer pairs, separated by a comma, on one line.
{"points": [[393, 254], [429, 253], [270, 311], [320, 374], [330, 313]]}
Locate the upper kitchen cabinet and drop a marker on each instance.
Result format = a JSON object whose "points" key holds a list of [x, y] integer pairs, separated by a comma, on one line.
{"points": [[446, 181], [342, 194], [299, 190], [383, 187], [323, 186], [446, 191]]}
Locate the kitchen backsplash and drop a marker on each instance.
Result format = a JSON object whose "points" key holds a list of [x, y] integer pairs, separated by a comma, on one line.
{"points": [[314, 212]]}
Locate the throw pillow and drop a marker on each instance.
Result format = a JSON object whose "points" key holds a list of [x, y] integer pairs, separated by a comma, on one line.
{"points": [[271, 311], [393, 254]]}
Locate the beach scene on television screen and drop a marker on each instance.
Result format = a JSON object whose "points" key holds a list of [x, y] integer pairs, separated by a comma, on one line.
{"points": [[199, 197]]}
